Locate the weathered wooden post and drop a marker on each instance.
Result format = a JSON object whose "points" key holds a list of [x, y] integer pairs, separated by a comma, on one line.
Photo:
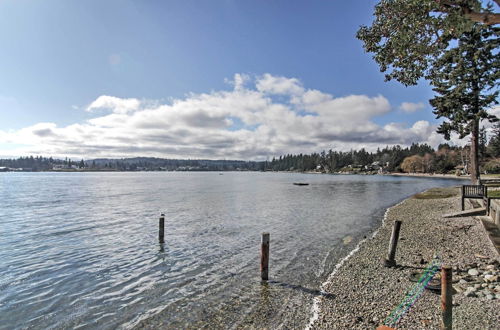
{"points": [[446, 299], [161, 234], [264, 257], [390, 262], [463, 198]]}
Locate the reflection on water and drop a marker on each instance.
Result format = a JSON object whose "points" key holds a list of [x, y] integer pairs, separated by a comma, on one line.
{"points": [[82, 250]]}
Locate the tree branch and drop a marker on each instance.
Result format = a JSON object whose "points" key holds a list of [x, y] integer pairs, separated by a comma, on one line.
{"points": [[479, 17], [485, 18]]}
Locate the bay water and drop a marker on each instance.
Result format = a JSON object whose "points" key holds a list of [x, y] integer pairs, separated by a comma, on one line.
{"points": [[81, 250]]}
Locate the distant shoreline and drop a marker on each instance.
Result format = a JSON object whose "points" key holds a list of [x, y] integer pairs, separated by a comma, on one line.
{"points": [[428, 175], [421, 175]]}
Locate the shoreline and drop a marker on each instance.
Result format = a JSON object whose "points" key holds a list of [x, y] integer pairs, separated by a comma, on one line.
{"points": [[428, 175], [375, 290], [316, 307]]}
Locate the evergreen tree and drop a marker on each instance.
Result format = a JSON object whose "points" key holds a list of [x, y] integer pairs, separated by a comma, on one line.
{"points": [[494, 145], [483, 141], [411, 39], [463, 78]]}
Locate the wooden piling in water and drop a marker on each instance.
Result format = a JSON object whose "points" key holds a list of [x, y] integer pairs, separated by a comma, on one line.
{"points": [[390, 262], [264, 257], [446, 298], [161, 234]]}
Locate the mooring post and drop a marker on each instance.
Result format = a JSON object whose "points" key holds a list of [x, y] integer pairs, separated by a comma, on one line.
{"points": [[390, 262], [463, 198], [161, 234], [264, 257], [446, 299]]}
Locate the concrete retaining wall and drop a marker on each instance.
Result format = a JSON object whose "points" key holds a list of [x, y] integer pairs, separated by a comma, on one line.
{"points": [[495, 211]]}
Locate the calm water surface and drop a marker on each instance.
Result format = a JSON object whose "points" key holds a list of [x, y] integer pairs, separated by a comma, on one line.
{"points": [[80, 250]]}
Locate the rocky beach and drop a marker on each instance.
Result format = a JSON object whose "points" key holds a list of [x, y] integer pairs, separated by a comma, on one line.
{"points": [[361, 293]]}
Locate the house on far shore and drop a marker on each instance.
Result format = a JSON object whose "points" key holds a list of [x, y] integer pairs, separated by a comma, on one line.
{"points": [[59, 167], [4, 169]]}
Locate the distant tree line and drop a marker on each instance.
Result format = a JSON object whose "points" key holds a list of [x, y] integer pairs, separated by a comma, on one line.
{"points": [[333, 161], [31, 163], [417, 158], [40, 163]]}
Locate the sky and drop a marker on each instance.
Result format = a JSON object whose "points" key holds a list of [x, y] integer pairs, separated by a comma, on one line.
{"points": [[219, 79]]}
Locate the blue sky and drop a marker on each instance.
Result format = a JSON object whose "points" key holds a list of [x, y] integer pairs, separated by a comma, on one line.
{"points": [[59, 57]]}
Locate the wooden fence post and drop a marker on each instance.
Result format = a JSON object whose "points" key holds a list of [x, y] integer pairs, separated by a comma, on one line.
{"points": [[446, 299], [463, 198], [390, 262], [264, 257], [161, 234]]}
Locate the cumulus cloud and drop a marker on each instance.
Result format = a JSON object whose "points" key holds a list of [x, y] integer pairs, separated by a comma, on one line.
{"points": [[258, 118], [279, 85], [115, 104], [409, 107]]}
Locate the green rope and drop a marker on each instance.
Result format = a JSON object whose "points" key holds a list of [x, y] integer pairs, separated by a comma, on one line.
{"points": [[412, 296]]}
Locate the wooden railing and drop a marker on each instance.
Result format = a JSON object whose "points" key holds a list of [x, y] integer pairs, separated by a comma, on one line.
{"points": [[473, 191]]}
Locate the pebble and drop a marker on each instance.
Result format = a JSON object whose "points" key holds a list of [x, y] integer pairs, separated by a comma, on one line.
{"points": [[470, 293], [473, 272], [490, 278], [490, 297]]}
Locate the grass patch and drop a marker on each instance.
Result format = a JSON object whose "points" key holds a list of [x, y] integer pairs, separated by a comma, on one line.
{"points": [[435, 193], [494, 193], [490, 176]]}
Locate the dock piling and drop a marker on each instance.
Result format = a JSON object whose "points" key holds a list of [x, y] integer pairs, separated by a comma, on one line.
{"points": [[446, 298], [264, 257], [390, 262], [161, 234]]}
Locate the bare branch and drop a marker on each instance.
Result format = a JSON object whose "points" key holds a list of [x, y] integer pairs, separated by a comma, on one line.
{"points": [[485, 18], [479, 17]]}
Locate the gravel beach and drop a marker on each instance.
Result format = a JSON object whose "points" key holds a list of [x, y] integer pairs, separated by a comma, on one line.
{"points": [[362, 293]]}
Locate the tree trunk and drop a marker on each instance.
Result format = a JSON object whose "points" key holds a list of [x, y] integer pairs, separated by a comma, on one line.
{"points": [[474, 159]]}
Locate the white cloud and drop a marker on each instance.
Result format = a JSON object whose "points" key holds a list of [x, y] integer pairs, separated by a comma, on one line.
{"points": [[247, 122], [409, 107], [115, 104], [279, 85]]}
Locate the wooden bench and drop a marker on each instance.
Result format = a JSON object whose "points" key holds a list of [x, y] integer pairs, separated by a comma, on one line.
{"points": [[474, 192]]}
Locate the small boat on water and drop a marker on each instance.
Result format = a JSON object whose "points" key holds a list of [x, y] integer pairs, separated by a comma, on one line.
{"points": [[301, 183]]}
